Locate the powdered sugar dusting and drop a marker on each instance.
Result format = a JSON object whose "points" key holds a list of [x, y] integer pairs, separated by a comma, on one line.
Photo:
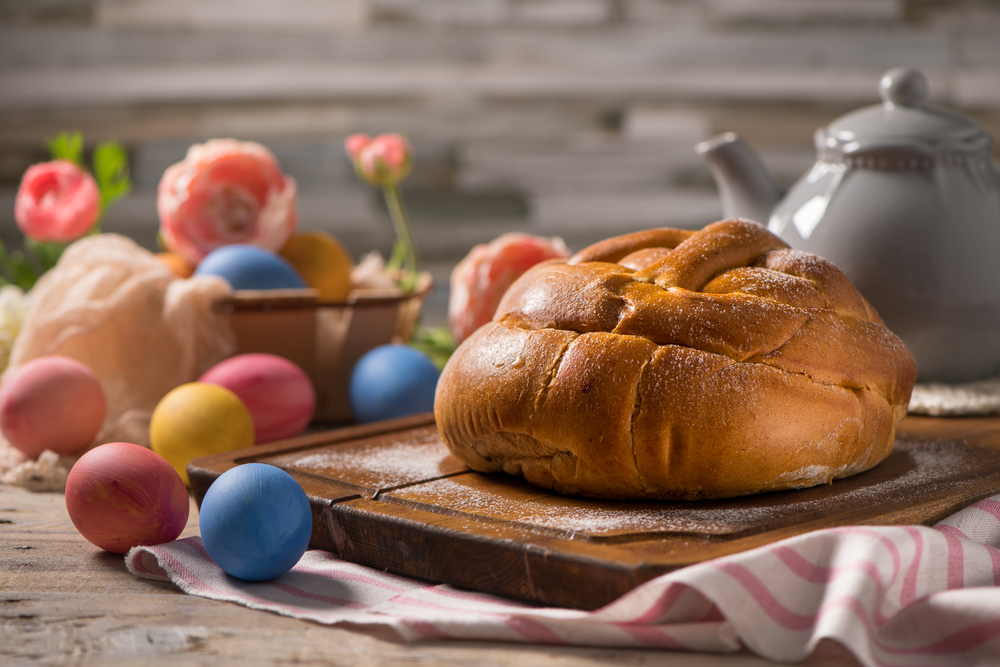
{"points": [[379, 464], [537, 509], [920, 465], [809, 474]]}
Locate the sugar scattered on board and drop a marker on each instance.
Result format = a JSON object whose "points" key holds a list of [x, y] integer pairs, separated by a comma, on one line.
{"points": [[932, 464], [392, 463]]}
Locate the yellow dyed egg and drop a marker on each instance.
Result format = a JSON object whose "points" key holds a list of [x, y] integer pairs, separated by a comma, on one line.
{"points": [[197, 419], [322, 262]]}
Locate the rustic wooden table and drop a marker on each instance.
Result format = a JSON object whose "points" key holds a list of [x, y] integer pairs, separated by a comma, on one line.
{"points": [[65, 602]]}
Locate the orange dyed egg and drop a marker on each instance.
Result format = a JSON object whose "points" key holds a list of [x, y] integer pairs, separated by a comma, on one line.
{"points": [[322, 262], [179, 266]]}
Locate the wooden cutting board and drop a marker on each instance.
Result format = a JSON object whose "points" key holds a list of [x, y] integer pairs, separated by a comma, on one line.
{"points": [[390, 496]]}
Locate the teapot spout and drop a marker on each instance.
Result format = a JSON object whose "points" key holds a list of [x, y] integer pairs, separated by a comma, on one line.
{"points": [[746, 187]]}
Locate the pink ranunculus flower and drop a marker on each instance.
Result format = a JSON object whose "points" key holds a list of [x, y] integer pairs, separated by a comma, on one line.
{"points": [[384, 160], [57, 201], [479, 281], [225, 191]]}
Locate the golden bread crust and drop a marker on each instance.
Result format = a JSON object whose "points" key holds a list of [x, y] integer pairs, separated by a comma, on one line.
{"points": [[671, 364]]}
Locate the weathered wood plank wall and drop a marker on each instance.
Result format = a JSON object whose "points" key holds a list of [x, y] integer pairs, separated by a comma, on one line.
{"points": [[565, 117]]}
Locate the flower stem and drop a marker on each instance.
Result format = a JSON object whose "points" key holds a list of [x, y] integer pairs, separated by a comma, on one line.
{"points": [[404, 251]]}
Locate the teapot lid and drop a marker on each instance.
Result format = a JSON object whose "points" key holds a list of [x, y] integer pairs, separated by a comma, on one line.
{"points": [[903, 122]]}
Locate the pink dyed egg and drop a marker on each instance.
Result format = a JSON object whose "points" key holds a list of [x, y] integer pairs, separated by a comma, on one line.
{"points": [[121, 495], [51, 403], [279, 395]]}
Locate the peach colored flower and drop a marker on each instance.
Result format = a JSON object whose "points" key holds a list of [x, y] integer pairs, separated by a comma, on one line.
{"points": [[57, 201], [479, 281], [225, 191], [384, 160]]}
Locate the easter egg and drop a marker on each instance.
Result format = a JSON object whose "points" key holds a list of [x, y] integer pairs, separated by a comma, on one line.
{"points": [[197, 419], [278, 394], [255, 522], [178, 266], [53, 403], [121, 495], [247, 267], [322, 262], [392, 381]]}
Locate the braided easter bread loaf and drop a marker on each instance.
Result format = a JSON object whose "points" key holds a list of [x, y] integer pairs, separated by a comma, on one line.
{"points": [[671, 364]]}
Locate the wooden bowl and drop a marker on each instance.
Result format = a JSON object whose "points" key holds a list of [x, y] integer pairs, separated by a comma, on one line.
{"points": [[325, 339]]}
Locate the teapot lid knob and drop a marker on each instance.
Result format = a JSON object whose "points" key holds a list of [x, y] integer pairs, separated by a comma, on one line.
{"points": [[903, 86]]}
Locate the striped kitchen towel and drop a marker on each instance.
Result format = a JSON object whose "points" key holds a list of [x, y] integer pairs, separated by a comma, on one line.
{"points": [[893, 595]]}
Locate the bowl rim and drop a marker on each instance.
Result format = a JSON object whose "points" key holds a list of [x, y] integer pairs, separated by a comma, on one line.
{"points": [[296, 299]]}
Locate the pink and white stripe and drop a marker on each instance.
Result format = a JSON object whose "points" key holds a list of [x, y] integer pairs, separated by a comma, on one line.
{"points": [[893, 595]]}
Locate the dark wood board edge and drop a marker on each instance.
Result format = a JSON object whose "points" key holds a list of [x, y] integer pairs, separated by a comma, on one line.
{"points": [[353, 523], [204, 470], [436, 548], [552, 570]]}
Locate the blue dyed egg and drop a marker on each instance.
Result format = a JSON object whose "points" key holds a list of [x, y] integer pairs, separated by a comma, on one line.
{"points": [[392, 381], [247, 267], [255, 522]]}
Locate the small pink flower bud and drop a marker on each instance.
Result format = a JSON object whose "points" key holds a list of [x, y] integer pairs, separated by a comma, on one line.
{"points": [[384, 160], [354, 143], [57, 202]]}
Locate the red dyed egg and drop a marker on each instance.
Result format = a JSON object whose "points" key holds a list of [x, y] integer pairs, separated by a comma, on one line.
{"points": [[53, 403], [121, 495], [279, 395]]}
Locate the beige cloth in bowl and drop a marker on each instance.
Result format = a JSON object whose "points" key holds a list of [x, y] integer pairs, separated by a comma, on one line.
{"points": [[112, 305]]}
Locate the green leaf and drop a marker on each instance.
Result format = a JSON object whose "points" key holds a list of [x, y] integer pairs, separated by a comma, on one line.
{"points": [[111, 171], [4, 263], [17, 269], [22, 273], [67, 146], [6, 267], [435, 342], [47, 254]]}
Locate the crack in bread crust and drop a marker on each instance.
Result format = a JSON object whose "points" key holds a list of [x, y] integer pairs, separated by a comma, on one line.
{"points": [[705, 364]]}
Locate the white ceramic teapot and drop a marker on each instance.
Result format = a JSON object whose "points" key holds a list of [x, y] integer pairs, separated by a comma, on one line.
{"points": [[905, 199]]}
